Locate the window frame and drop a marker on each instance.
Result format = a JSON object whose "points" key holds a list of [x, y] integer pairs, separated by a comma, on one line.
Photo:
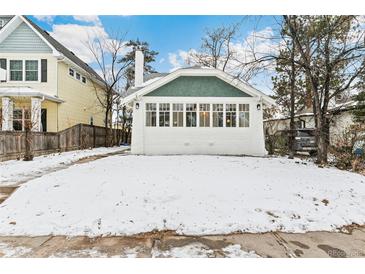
{"points": [[165, 111], [246, 112], [151, 111], [23, 118], [204, 108], [179, 112], [217, 112], [232, 114], [23, 60], [25, 70], [191, 112]]}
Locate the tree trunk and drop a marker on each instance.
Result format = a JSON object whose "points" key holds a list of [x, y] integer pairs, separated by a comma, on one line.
{"points": [[292, 103], [28, 155]]}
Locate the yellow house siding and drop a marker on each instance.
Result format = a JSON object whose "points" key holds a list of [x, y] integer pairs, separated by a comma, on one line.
{"points": [[81, 102], [51, 115]]}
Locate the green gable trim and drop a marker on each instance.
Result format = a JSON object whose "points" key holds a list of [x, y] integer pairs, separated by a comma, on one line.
{"points": [[198, 86]]}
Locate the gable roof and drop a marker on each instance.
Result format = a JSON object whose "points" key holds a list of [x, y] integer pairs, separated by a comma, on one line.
{"points": [[56, 46], [135, 93]]}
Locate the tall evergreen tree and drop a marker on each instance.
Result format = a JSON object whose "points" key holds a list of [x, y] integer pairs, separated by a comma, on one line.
{"points": [[149, 57]]}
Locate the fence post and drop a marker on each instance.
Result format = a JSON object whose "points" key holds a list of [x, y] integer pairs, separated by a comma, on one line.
{"points": [[79, 146], [94, 137]]}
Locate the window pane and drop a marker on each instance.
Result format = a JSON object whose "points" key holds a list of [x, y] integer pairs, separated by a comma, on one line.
{"points": [[16, 70], [164, 115], [244, 115], [31, 70], [178, 115], [204, 115], [231, 115], [150, 115], [217, 115], [191, 115], [71, 72], [16, 64], [31, 65]]}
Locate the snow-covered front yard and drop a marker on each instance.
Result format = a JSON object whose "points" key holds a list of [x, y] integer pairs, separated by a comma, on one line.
{"points": [[125, 194], [15, 171]]}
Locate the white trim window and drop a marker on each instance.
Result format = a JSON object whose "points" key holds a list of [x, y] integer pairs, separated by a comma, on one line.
{"points": [[78, 76], [71, 72], [150, 114], [31, 70], [177, 115], [164, 114], [204, 115], [244, 115], [16, 70], [20, 118], [190, 110], [231, 115], [83, 79], [217, 115]]}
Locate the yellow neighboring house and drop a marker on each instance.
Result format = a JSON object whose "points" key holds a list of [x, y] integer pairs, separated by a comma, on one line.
{"points": [[42, 81]]}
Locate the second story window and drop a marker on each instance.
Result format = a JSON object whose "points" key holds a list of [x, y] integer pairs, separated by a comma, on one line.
{"points": [[16, 70], [31, 70], [78, 76], [71, 72], [84, 79]]}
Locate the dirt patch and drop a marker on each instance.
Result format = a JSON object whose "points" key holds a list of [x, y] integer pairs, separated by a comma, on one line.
{"points": [[333, 252], [301, 245]]}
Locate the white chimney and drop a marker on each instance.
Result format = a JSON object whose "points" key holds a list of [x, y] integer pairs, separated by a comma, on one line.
{"points": [[138, 69]]}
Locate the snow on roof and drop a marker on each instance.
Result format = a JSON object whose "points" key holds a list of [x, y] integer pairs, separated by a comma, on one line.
{"points": [[27, 92]]}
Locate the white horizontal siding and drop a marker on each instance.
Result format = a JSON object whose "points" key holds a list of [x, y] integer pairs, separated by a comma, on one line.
{"points": [[24, 40]]}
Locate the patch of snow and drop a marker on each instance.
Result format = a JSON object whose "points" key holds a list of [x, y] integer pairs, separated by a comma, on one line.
{"points": [[7, 251], [194, 195], [235, 251], [14, 171], [199, 250]]}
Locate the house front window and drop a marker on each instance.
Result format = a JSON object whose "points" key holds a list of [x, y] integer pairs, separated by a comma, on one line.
{"points": [[164, 115], [244, 115], [16, 70], [204, 115], [190, 115], [31, 70], [150, 114], [230, 115], [217, 115], [20, 119], [178, 115]]}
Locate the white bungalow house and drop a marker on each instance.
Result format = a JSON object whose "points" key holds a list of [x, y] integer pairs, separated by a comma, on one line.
{"points": [[195, 111]]}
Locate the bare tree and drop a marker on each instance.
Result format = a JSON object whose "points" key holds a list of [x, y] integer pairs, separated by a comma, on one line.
{"points": [[216, 50], [331, 50], [107, 53]]}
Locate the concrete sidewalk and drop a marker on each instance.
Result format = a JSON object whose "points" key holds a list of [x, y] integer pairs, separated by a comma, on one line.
{"points": [[267, 245]]}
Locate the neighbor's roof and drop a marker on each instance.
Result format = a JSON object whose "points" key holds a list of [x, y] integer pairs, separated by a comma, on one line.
{"points": [[62, 49], [27, 92], [155, 80]]}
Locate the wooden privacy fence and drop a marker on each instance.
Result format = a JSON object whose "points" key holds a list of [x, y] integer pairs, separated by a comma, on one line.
{"points": [[81, 136]]}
